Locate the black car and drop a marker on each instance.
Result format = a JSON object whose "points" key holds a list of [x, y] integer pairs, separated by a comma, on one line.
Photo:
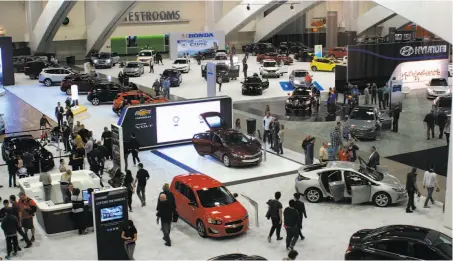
{"points": [[33, 68], [84, 82], [15, 146], [174, 75], [262, 48], [254, 85], [223, 70], [300, 100], [207, 54], [399, 242], [304, 56], [105, 92], [20, 62], [237, 256]]}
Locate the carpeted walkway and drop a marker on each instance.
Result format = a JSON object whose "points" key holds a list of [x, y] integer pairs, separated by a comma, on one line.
{"points": [[423, 159]]}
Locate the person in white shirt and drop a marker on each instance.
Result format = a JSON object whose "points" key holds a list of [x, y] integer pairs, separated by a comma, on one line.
{"points": [[323, 155], [430, 182], [266, 123]]}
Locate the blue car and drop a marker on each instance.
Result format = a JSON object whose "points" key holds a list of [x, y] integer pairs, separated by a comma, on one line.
{"points": [[175, 77]]}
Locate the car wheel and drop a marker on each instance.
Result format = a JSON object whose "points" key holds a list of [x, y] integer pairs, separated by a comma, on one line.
{"points": [[382, 199], [201, 229], [68, 91], [333, 69], [48, 82], [313, 195], [95, 101], [226, 160], [313, 68]]}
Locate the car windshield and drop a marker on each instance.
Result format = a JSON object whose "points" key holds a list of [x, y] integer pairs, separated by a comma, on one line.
{"points": [[300, 74], [363, 115], [371, 173], [180, 61], [235, 138], [269, 64], [214, 197], [439, 82], [253, 80], [132, 65], [221, 67], [145, 54], [301, 92], [167, 73], [221, 57], [104, 56]]}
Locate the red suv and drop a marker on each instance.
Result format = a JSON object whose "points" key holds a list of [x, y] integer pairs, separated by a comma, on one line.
{"points": [[337, 52], [206, 204]]}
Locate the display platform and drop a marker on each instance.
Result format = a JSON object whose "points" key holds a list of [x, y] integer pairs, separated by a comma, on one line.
{"points": [[80, 109], [188, 159]]}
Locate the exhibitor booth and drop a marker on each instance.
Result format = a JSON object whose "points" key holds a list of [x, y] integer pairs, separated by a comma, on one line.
{"points": [[195, 42], [54, 216]]}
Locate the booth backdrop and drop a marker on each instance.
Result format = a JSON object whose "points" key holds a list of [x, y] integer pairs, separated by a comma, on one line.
{"points": [[194, 42], [6, 61], [131, 45], [377, 62], [171, 123]]}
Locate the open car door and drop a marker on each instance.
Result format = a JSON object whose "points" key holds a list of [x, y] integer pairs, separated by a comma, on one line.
{"points": [[385, 121], [234, 72], [203, 71], [264, 84], [360, 194], [214, 120]]}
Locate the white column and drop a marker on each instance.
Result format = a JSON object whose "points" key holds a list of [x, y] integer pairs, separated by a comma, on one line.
{"points": [[214, 12], [33, 12]]}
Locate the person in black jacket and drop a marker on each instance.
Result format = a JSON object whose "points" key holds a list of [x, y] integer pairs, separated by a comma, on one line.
{"points": [[291, 222], [102, 153], [134, 146], [373, 160], [168, 193], [441, 119], [165, 211], [396, 117], [245, 67], [12, 169], [380, 93], [66, 137], [107, 141], [430, 120], [411, 187], [275, 214], [10, 225], [59, 112], [300, 207]]}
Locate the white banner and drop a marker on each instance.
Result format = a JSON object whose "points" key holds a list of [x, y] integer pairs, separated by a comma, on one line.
{"points": [[194, 46], [211, 79]]}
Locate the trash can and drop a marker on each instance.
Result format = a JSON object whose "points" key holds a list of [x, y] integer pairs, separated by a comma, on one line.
{"points": [[251, 126]]}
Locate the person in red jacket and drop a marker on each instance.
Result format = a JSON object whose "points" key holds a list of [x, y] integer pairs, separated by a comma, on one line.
{"points": [[308, 78]]}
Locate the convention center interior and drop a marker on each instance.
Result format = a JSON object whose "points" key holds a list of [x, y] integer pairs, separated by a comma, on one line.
{"points": [[212, 129]]}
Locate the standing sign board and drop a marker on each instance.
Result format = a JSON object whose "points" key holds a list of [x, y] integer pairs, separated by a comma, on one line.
{"points": [[211, 79], [318, 51], [110, 217], [397, 96], [118, 148]]}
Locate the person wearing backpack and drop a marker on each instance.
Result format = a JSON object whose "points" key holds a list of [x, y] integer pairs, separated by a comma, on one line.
{"points": [[275, 213]]}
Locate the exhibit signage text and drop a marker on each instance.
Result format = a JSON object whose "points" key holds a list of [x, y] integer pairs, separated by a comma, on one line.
{"points": [[153, 17], [421, 50], [198, 35]]}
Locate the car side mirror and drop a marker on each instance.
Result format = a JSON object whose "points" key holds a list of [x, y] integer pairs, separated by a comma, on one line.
{"points": [[235, 195], [192, 203]]}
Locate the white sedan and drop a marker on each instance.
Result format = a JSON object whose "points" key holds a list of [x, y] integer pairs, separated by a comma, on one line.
{"points": [[270, 68], [182, 64]]}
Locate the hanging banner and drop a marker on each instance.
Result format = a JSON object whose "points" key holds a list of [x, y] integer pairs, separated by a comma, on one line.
{"points": [[194, 46], [118, 148], [318, 51], [211, 79]]}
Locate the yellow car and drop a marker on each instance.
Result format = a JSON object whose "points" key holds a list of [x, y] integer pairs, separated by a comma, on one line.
{"points": [[322, 64]]}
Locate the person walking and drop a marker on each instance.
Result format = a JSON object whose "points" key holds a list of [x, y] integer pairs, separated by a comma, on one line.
{"points": [[130, 186], [335, 138], [78, 211], [10, 225], [441, 120], [166, 87], [140, 183], [165, 211], [151, 66], [291, 221], [323, 155], [43, 124], [17, 212], [274, 213], [70, 120], [396, 116], [292, 255], [219, 81], [28, 208], [107, 141], [266, 126], [447, 131], [310, 152], [129, 236], [157, 87], [134, 146], [66, 135], [430, 120], [352, 148], [28, 159], [274, 131], [380, 93], [12, 170], [430, 183], [373, 93], [46, 181], [59, 112], [300, 207], [245, 67], [373, 160], [387, 95], [281, 137], [366, 92], [411, 187]]}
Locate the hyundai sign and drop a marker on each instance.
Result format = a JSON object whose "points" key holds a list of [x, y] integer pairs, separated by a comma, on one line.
{"points": [[423, 50]]}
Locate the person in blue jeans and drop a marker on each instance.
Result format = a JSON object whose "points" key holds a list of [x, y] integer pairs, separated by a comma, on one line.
{"points": [[430, 183], [166, 87]]}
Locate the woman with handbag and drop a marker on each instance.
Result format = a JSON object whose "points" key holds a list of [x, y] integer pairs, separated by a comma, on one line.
{"points": [[129, 184], [129, 236]]}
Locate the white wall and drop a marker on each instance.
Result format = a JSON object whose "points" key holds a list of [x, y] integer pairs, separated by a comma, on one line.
{"points": [[76, 29], [13, 19]]}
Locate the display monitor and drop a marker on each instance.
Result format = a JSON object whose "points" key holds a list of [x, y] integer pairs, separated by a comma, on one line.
{"points": [[111, 213], [85, 194]]}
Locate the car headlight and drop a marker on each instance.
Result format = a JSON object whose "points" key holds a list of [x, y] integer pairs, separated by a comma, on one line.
{"points": [[108, 60], [237, 155], [245, 217], [296, 81], [307, 102], [214, 222], [399, 190], [95, 61], [448, 91], [430, 91], [288, 102]]}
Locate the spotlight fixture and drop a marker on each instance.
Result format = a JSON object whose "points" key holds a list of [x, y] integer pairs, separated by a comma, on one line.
{"points": [[248, 7], [291, 7]]}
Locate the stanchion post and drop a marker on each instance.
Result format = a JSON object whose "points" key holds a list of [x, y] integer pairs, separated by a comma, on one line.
{"points": [[255, 206]]}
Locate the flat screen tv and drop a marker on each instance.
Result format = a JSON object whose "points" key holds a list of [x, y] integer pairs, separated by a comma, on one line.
{"points": [[111, 213]]}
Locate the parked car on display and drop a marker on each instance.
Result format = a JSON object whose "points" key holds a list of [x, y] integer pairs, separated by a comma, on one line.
{"points": [[286, 60], [146, 56], [2, 125], [223, 70], [322, 64], [17, 145], [450, 70], [103, 92], [207, 54], [237, 256], [337, 52], [51, 76], [221, 57], [254, 85], [297, 77], [399, 242], [134, 69], [303, 47], [228, 145], [209, 206], [343, 179], [105, 60], [270, 68], [442, 103], [261, 48], [366, 122], [133, 98], [300, 100], [20, 62], [182, 65], [174, 76], [304, 56], [34, 68], [84, 82], [437, 87]]}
